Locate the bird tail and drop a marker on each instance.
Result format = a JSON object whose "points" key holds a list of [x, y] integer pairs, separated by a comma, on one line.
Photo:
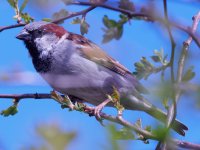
{"points": [[162, 116], [142, 104]]}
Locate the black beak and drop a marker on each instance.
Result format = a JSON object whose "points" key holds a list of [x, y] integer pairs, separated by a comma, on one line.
{"points": [[23, 35]]}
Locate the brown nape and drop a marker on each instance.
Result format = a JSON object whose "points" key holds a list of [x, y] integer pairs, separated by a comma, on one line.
{"points": [[60, 31], [78, 39], [53, 28]]}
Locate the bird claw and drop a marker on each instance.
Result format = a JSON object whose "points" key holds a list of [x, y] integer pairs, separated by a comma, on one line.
{"points": [[97, 111]]}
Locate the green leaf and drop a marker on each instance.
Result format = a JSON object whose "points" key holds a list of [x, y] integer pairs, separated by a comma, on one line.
{"points": [[165, 102], [12, 3], [143, 68], [47, 19], [123, 18], [114, 29], [165, 91], [160, 132], [115, 98], [156, 58], [12, 110], [55, 136], [112, 33], [119, 32], [26, 17], [50, 136], [148, 128], [61, 14], [109, 35], [139, 123], [190, 74], [23, 5], [122, 134], [77, 20], [84, 27], [109, 23], [160, 57], [145, 62]]}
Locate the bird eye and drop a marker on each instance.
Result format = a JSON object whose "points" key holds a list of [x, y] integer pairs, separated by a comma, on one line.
{"points": [[40, 31], [30, 31]]}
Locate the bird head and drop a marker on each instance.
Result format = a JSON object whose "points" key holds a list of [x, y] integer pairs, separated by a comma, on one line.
{"points": [[41, 37], [38, 29]]}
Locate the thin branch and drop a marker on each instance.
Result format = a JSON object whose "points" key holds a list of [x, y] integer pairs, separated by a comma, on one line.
{"points": [[182, 59], [188, 31], [129, 13], [120, 120], [127, 124], [22, 96], [83, 12], [171, 115], [186, 145], [18, 14], [144, 16], [181, 64], [172, 109], [12, 26], [116, 119], [173, 44], [196, 20]]}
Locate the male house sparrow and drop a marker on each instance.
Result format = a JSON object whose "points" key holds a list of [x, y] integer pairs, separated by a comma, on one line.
{"points": [[75, 66]]}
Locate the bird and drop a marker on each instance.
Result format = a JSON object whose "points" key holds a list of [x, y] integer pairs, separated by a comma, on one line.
{"points": [[75, 66]]}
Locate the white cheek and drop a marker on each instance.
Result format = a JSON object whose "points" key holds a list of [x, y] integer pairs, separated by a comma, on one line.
{"points": [[45, 44]]}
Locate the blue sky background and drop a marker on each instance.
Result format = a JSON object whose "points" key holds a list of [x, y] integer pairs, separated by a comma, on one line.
{"points": [[139, 39]]}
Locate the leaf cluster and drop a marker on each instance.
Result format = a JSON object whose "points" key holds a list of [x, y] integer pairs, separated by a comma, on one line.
{"points": [[58, 15], [113, 29], [83, 24], [52, 136], [145, 68], [19, 11], [12, 110]]}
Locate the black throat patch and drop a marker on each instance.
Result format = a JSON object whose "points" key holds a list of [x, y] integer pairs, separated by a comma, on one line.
{"points": [[41, 65]]}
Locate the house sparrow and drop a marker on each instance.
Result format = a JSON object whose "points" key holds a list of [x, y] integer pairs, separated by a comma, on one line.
{"points": [[75, 66]]}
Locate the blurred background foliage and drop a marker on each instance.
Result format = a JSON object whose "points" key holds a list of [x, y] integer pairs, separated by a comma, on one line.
{"points": [[51, 137]]}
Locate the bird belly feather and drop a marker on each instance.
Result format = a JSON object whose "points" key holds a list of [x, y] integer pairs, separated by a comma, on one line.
{"points": [[87, 81]]}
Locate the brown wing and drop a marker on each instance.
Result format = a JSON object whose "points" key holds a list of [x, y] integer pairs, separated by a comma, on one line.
{"points": [[92, 52]]}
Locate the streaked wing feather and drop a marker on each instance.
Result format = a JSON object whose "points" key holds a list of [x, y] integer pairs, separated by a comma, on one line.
{"points": [[92, 52]]}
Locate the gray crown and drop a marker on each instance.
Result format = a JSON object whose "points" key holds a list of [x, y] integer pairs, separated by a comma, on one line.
{"points": [[35, 25]]}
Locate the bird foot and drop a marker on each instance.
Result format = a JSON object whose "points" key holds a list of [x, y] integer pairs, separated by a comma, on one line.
{"points": [[97, 110]]}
